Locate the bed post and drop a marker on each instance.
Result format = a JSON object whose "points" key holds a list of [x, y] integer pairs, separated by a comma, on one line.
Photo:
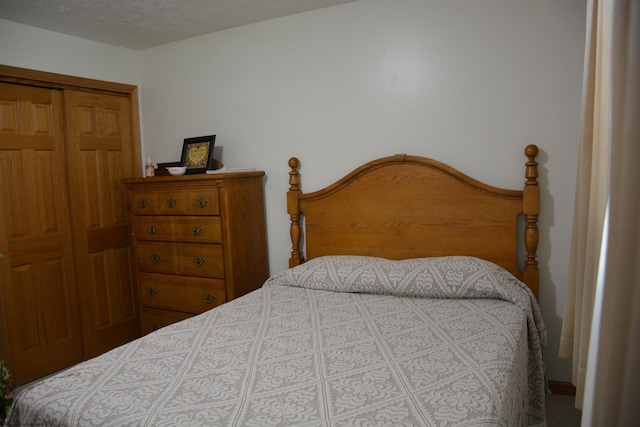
{"points": [[531, 209], [294, 212]]}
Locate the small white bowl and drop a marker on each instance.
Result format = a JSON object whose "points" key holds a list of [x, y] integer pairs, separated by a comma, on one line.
{"points": [[177, 170]]}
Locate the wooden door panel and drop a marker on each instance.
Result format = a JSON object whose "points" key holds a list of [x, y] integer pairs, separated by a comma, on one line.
{"points": [[9, 114], [123, 295], [86, 120], [46, 193], [45, 315], [100, 148], [13, 194], [33, 196], [99, 291], [117, 199], [55, 305], [21, 289], [87, 187], [39, 313], [110, 272], [112, 122]]}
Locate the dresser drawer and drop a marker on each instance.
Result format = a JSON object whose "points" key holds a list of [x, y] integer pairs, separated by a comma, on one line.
{"points": [[153, 228], [176, 202], [200, 260], [205, 229], [198, 229], [157, 257], [153, 320], [181, 293], [191, 259]]}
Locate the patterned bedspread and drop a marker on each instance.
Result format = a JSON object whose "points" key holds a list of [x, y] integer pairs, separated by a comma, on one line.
{"points": [[336, 341]]}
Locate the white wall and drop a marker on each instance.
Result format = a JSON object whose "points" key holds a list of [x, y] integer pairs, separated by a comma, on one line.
{"points": [[29, 47], [467, 82]]}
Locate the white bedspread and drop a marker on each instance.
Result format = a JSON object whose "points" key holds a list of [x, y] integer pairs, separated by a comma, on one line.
{"points": [[336, 341]]}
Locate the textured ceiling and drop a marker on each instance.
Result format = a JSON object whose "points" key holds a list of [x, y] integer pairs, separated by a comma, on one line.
{"points": [[140, 24]]}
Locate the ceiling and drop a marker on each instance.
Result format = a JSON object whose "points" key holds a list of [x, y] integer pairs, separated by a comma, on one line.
{"points": [[140, 24]]}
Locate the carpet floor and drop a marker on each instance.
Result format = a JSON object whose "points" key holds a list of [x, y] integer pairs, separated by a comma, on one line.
{"points": [[561, 411]]}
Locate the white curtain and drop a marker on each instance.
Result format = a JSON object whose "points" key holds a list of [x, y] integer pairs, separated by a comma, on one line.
{"points": [[608, 173], [592, 193]]}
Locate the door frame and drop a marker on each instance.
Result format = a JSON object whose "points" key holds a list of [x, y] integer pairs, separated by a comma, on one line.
{"points": [[25, 76]]}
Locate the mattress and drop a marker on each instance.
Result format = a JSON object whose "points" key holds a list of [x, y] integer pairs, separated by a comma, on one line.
{"points": [[335, 341]]}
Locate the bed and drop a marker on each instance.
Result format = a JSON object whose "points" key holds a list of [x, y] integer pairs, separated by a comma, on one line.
{"points": [[407, 303]]}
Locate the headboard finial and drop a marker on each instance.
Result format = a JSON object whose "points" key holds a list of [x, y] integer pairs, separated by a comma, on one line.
{"points": [[294, 163], [530, 151], [293, 210], [294, 175]]}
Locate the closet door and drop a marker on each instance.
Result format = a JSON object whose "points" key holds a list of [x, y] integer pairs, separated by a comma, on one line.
{"points": [[100, 155], [39, 319]]}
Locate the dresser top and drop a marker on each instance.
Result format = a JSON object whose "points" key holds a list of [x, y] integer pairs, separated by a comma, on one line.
{"points": [[192, 179]]}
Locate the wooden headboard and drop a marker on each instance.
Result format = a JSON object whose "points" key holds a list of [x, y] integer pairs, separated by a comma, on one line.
{"points": [[402, 207]]}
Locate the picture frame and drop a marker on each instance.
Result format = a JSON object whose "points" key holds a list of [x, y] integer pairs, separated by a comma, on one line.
{"points": [[197, 154]]}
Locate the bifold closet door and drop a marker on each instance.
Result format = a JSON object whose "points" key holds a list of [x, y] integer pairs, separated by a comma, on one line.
{"points": [[40, 328], [100, 155]]}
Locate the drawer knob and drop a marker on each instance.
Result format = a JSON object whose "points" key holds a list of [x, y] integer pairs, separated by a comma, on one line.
{"points": [[143, 203], [153, 228], [155, 326], [201, 203], [151, 291], [196, 230], [171, 203], [155, 258], [198, 261], [209, 298]]}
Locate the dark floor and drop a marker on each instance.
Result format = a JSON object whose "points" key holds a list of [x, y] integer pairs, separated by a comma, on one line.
{"points": [[561, 411]]}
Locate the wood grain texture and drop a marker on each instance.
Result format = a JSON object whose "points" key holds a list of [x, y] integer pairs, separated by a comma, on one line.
{"points": [[200, 241], [39, 317], [100, 152], [36, 78], [104, 256], [27, 76], [404, 206]]}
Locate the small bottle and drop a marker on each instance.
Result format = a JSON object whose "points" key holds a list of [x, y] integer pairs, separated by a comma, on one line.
{"points": [[149, 170]]}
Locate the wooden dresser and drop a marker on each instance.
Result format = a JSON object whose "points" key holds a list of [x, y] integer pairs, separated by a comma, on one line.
{"points": [[199, 241]]}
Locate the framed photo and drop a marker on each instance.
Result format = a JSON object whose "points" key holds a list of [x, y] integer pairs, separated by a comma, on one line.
{"points": [[197, 153]]}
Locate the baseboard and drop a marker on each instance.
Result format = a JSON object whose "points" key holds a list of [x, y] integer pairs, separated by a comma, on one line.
{"points": [[561, 387]]}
